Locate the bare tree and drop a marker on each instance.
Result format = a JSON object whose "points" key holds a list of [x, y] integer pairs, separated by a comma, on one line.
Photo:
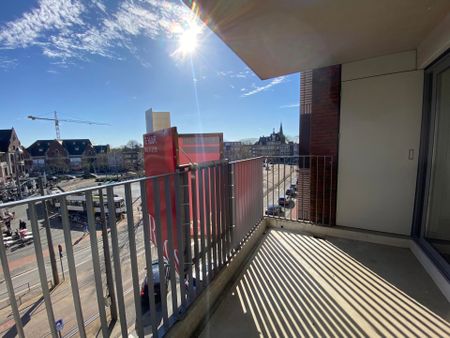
{"points": [[133, 144]]}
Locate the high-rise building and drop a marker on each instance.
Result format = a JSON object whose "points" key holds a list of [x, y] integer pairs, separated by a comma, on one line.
{"points": [[156, 120]]}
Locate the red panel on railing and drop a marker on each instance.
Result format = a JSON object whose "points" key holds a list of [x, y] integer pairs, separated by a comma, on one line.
{"points": [[200, 148], [164, 152], [197, 149], [160, 157], [248, 197]]}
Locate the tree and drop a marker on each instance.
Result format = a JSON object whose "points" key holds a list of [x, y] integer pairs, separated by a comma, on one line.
{"points": [[133, 144]]}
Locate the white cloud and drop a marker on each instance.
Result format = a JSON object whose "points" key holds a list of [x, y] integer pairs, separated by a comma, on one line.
{"points": [[235, 75], [260, 89], [70, 29], [50, 15], [6, 64], [293, 105]]}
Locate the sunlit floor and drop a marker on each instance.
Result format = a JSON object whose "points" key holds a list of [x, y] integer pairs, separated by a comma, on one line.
{"points": [[297, 285]]}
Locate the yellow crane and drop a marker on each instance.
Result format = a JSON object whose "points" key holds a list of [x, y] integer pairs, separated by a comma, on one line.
{"points": [[57, 120]]}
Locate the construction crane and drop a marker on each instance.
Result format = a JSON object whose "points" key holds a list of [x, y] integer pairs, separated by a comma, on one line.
{"points": [[58, 120]]}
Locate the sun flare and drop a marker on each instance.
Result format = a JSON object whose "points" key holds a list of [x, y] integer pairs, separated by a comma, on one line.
{"points": [[188, 41]]}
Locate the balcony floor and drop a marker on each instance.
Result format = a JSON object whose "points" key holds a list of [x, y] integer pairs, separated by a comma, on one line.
{"points": [[297, 285]]}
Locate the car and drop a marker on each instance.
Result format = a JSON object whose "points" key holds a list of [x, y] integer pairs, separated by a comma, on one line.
{"points": [[283, 201], [145, 302], [293, 187], [274, 210], [67, 177], [89, 175], [291, 192]]}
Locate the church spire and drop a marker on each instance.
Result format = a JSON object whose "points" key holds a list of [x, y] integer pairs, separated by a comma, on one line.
{"points": [[281, 128]]}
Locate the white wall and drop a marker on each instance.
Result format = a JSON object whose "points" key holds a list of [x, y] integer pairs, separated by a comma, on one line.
{"points": [[381, 108]]}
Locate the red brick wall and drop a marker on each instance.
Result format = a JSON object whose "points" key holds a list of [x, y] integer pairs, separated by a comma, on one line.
{"points": [[305, 112], [326, 88]]}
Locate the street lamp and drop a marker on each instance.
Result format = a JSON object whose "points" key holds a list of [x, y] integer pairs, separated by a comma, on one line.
{"points": [[17, 155]]}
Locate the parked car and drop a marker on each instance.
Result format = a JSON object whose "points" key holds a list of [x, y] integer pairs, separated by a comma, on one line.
{"points": [[274, 210], [286, 202], [145, 302], [89, 175], [67, 177], [283, 201], [291, 192]]}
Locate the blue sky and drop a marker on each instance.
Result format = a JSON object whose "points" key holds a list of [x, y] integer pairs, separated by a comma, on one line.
{"points": [[109, 61]]}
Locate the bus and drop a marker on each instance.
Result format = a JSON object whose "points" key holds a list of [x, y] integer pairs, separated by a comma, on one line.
{"points": [[77, 203]]}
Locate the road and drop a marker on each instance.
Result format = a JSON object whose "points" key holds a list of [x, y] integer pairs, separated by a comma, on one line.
{"points": [[276, 181]]}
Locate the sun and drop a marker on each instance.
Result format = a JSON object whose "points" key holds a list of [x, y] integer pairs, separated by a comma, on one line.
{"points": [[188, 41]]}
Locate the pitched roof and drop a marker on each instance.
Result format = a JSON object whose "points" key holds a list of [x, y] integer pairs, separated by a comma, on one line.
{"points": [[5, 137], [76, 146], [101, 149], [39, 147]]}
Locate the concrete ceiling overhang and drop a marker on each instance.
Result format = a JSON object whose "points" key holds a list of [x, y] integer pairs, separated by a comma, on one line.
{"points": [[278, 37]]}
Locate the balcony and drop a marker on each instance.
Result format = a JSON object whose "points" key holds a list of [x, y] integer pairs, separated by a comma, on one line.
{"points": [[299, 285], [214, 263]]}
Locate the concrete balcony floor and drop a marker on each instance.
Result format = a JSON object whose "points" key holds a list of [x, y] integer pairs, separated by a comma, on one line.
{"points": [[296, 285]]}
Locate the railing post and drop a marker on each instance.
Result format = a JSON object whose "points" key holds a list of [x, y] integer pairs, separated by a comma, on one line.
{"points": [[41, 268], [231, 206], [116, 258], [148, 256], [96, 263], [133, 259], [72, 268], [180, 206], [48, 234], [107, 257], [159, 247], [10, 288], [195, 224]]}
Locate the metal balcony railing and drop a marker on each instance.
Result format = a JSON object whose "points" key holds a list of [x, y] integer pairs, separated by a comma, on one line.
{"points": [[155, 243], [165, 259], [300, 188]]}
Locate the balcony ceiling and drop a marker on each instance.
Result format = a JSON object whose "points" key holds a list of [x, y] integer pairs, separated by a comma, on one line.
{"points": [[278, 37]]}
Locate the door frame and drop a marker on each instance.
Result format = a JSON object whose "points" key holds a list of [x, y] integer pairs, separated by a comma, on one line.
{"points": [[425, 159]]}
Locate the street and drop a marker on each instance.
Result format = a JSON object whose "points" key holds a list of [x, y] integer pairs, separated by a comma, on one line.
{"points": [[276, 181]]}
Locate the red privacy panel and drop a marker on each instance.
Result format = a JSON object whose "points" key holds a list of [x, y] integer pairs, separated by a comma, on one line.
{"points": [[200, 148], [164, 152], [160, 157]]}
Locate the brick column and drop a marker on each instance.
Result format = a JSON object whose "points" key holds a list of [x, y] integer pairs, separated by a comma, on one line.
{"points": [[304, 177], [319, 133]]}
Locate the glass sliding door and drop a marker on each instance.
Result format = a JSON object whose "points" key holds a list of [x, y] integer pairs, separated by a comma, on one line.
{"points": [[433, 219], [437, 222]]}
